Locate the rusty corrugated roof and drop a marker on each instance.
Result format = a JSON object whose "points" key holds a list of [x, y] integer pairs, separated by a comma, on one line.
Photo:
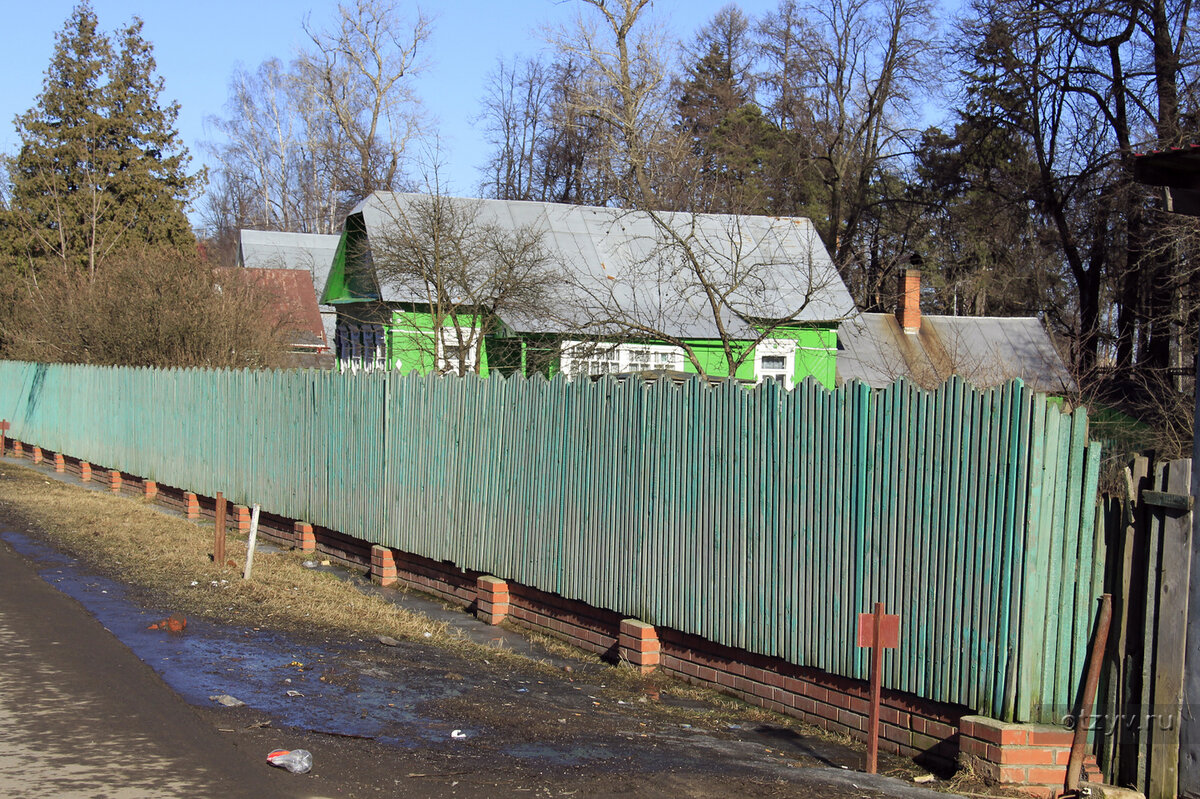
{"points": [[872, 347]]}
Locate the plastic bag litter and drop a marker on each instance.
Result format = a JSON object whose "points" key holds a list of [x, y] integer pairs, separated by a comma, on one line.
{"points": [[227, 700], [297, 761]]}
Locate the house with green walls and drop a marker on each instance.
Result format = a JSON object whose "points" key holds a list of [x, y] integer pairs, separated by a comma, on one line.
{"points": [[441, 284]]}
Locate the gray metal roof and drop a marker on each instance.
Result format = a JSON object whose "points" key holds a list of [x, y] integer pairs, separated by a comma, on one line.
{"points": [[271, 249], [984, 350], [628, 265]]}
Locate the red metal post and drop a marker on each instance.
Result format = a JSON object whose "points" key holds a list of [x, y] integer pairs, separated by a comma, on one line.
{"points": [[876, 668], [219, 532]]}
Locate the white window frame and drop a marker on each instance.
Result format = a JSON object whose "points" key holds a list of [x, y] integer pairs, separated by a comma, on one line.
{"points": [[594, 359], [448, 337], [776, 348]]}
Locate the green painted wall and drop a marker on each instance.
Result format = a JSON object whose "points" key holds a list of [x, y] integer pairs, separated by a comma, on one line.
{"points": [[411, 348], [816, 352], [350, 279], [411, 342], [816, 355], [711, 355]]}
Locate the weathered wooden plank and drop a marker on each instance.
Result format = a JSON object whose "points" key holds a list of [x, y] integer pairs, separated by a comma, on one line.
{"points": [[1152, 569], [1168, 500], [1174, 570]]}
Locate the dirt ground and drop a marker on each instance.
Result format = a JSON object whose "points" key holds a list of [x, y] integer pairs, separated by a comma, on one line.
{"points": [[415, 718]]}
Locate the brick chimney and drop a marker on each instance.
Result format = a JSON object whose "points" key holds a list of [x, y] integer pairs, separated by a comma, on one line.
{"points": [[908, 311]]}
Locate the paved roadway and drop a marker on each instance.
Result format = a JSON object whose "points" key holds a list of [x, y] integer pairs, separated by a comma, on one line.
{"points": [[81, 716]]}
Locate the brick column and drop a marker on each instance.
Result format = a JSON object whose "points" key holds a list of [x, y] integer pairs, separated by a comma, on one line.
{"points": [[151, 490], [37, 455], [383, 565], [1031, 758], [18, 449], [85, 472], [60, 463], [638, 645], [192, 503], [304, 537], [492, 599], [114, 481], [241, 518]]}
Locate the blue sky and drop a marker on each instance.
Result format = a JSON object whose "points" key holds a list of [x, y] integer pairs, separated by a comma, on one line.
{"points": [[199, 44]]}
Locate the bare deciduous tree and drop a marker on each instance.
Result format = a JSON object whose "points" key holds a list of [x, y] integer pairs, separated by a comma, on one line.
{"points": [[849, 76], [362, 71], [305, 142], [623, 61], [464, 270]]}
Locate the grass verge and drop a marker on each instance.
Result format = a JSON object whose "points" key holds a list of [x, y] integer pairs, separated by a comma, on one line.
{"points": [[170, 558]]}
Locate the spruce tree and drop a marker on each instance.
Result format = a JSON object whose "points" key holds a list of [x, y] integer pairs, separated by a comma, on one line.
{"points": [[101, 168]]}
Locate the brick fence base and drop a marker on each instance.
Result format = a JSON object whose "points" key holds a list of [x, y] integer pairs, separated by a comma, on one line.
{"points": [[1031, 757]]}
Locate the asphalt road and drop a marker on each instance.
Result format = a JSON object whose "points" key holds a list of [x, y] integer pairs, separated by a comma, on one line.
{"points": [[81, 716]]}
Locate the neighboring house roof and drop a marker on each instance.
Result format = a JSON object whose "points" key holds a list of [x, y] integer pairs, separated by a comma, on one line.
{"points": [[872, 347], [294, 303], [311, 252], [618, 260], [270, 249]]}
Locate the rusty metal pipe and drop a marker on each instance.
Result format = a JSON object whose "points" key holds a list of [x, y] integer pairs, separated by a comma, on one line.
{"points": [[1095, 661], [219, 532]]}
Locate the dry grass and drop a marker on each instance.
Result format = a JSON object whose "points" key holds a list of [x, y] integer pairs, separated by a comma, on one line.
{"points": [[170, 558]]}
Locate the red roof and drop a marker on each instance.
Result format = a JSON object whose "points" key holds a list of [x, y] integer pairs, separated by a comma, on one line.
{"points": [[294, 302]]}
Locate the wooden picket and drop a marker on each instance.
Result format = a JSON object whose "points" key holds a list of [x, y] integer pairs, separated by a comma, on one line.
{"points": [[758, 518]]}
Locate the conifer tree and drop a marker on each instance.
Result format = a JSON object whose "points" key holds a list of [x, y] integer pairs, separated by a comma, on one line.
{"points": [[100, 168]]}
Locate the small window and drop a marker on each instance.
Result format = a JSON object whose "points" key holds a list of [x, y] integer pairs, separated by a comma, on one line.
{"points": [[777, 362], [773, 362]]}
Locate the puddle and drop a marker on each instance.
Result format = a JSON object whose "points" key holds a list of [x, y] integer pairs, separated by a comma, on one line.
{"points": [[259, 668]]}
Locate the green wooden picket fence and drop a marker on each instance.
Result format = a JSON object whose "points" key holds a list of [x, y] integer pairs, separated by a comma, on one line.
{"points": [[758, 518]]}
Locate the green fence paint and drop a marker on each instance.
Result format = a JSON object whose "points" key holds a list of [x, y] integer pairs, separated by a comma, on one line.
{"points": [[755, 517]]}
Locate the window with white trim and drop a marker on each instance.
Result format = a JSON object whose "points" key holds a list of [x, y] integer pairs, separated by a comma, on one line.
{"points": [[593, 359], [455, 357], [775, 359]]}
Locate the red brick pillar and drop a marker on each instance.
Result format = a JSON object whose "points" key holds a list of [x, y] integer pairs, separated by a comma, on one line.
{"points": [[638, 644], [1031, 758], [18, 449], [192, 503], [37, 455], [491, 599], [151, 490], [85, 472], [241, 518], [115, 481], [60, 463], [304, 537], [383, 565]]}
